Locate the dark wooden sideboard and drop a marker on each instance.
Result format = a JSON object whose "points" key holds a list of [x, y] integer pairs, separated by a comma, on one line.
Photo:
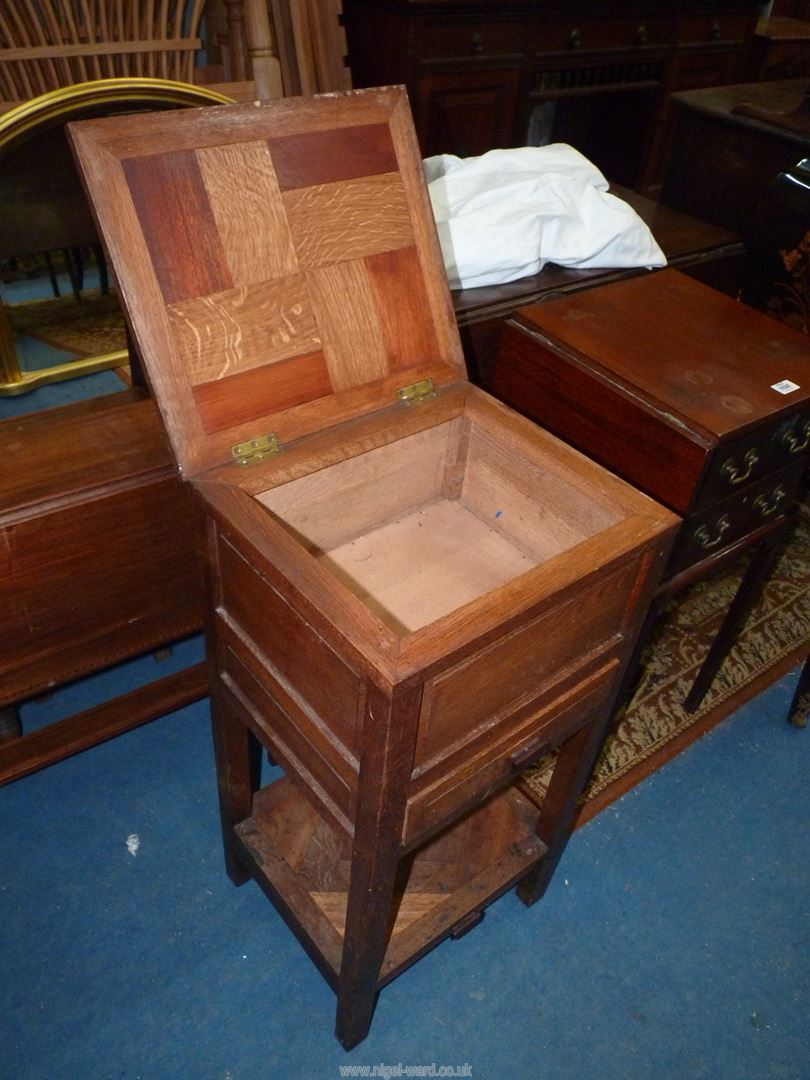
{"points": [[484, 75]]}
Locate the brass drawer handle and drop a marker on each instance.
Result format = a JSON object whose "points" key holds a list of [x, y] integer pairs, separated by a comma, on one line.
{"points": [[641, 35], [769, 504], [477, 43], [574, 39], [715, 31], [737, 474], [704, 537], [793, 442]]}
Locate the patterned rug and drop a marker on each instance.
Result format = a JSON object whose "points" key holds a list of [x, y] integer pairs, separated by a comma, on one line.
{"points": [[653, 726], [89, 327]]}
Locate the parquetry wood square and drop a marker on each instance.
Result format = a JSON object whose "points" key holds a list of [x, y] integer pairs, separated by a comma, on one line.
{"points": [[277, 260]]}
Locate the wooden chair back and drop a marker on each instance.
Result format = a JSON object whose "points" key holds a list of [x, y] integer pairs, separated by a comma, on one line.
{"points": [[54, 43]]}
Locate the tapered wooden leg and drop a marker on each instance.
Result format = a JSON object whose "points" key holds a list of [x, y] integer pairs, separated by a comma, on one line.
{"points": [[800, 705], [10, 726], [238, 764], [385, 765], [748, 591], [368, 924], [634, 669], [575, 761]]}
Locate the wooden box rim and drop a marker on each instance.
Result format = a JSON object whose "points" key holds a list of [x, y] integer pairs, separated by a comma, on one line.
{"points": [[228, 494]]}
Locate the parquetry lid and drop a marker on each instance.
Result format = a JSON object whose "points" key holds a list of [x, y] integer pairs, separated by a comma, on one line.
{"points": [[278, 263]]}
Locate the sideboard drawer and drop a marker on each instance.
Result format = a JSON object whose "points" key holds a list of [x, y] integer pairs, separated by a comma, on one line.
{"points": [[573, 35], [729, 519], [703, 29], [755, 454], [440, 41]]}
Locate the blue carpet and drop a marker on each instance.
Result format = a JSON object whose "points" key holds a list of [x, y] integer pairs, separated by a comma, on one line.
{"points": [[672, 942]]}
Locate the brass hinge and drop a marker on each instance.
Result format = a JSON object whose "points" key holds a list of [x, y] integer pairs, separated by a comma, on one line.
{"points": [[255, 450], [417, 392]]}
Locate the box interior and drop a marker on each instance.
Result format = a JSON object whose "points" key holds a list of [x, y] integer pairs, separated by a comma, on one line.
{"points": [[427, 523]]}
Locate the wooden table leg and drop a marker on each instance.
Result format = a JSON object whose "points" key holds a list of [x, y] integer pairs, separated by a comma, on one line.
{"points": [[384, 769], [634, 670], [238, 764], [575, 762], [800, 705], [10, 726], [756, 574]]}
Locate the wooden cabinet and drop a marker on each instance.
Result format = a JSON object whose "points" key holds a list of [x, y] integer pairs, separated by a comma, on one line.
{"points": [[101, 560], [471, 110], [414, 591], [484, 75]]}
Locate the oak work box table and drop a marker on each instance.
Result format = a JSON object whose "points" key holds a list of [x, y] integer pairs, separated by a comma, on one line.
{"points": [[414, 591], [700, 401]]}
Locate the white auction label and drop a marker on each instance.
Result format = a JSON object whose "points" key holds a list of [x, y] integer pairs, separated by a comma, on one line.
{"points": [[785, 386]]}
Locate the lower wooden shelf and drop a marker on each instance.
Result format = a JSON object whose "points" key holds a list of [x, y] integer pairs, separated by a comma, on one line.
{"points": [[305, 866]]}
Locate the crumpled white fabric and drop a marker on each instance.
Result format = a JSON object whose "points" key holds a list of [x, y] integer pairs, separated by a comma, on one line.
{"points": [[507, 213]]}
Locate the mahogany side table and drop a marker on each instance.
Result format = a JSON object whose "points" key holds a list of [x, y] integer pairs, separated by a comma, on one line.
{"points": [[699, 401]]}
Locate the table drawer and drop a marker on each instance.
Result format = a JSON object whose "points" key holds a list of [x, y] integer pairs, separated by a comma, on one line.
{"points": [[573, 35], [441, 41], [489, 690], [756, 454], [710, 530], [704, 29], [480, 767]]}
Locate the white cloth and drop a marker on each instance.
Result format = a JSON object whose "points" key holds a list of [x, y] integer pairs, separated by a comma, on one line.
{"points": [[507, 213]]}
